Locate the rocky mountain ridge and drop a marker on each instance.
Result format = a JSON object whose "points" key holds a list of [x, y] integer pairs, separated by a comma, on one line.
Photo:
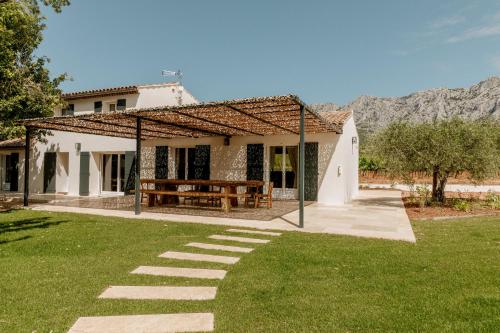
{"points": [[480, 101]]}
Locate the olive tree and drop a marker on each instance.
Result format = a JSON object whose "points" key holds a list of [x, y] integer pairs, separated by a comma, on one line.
{"points": [[441, 148]]}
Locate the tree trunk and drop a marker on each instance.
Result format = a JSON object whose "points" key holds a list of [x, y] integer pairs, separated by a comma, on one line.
{"points": [[435, 176], [439, 181]]}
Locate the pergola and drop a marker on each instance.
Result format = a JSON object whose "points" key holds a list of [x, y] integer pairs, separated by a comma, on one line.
{"points": [[263, 116]]}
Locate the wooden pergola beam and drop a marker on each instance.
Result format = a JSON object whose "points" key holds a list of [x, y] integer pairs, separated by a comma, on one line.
{"points": [[260, 119], [131, 132], [216, 123], [130, 127], [182, 127]]}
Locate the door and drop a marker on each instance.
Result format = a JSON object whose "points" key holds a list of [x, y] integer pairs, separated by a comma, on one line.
{"points": [[114, 177], [311, 171], [49, 172], [12, 171]]}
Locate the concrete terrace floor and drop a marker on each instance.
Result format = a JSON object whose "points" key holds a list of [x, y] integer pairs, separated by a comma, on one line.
{"points": [[373, 214]]}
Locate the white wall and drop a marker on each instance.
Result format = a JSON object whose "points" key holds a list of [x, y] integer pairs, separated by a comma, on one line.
{"points": [[229, 162], [64, 143], [68, 159], [154, 95]]}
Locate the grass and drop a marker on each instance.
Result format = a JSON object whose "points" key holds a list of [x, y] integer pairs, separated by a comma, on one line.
{"points": [[53, 267]]}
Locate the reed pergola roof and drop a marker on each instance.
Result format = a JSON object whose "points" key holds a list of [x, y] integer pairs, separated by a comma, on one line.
{"points": [[275, 115]]}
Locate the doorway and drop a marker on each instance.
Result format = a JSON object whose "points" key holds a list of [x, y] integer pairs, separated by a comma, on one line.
{"points": [[49, 172], [113, 173]]}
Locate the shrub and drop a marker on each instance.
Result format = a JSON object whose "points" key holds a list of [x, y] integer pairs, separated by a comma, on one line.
{"points": [[424, 195], [493, 200], [462, 205]]}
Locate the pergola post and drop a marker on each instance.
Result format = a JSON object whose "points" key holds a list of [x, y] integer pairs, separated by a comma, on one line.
{"points": [[27, 167], [138, 166], [301, 167]]}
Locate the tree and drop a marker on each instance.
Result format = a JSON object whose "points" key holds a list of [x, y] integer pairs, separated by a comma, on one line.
{"points": [[442, 148], [26, 89]]}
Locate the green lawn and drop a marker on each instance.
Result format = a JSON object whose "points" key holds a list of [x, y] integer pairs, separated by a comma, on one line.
{"points": [[53, 267]]}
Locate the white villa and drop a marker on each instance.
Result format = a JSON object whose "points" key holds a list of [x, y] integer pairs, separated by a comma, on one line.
{"points": [[92, 149]]}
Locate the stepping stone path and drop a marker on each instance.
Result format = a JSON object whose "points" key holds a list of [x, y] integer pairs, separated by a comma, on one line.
{"points": [[154, 292], [197, 273], [158, 323], [200, 257], [220, 247], [240, 239], [176, 322], [244, 231]]}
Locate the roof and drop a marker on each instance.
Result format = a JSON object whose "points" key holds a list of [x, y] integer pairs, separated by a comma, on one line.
{"points": [[274, 115], [12, 144], [336, 117], [101, 92], [133, 89]]}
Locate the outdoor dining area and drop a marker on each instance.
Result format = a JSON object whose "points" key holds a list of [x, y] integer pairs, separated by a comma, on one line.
{"points": [[208, 193], [258, 120]]}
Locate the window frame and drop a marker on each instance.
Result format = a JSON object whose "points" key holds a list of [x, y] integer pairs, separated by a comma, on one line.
{"points": [[283, 166], [97, 106], [121, 104]]}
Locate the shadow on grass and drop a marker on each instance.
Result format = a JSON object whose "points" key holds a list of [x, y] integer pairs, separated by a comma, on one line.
{"points": [[28, 224], [14, 240]]}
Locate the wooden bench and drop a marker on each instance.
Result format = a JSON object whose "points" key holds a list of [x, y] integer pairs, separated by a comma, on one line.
{"points": [[225, 197]]}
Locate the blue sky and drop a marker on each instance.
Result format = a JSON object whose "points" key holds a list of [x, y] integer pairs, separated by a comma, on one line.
{"points": [[323, 51]]}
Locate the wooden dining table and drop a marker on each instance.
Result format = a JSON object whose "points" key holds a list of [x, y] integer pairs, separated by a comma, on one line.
{"points": [[229, 186]]}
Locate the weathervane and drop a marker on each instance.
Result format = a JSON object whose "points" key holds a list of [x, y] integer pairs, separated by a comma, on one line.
{"points": [[177, 74]]}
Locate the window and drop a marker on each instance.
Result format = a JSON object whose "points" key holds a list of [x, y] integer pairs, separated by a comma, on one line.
{"points": [[98, 106], [121, 104], [184, 163], [283, 166], [69, 110], [112, 107]]}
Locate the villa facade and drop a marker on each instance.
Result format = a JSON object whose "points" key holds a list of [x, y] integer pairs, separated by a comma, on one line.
{"points": [[75, 162]]}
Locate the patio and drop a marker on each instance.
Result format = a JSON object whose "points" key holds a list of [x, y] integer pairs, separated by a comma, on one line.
{"points": [[374, 214], [285, 116]]}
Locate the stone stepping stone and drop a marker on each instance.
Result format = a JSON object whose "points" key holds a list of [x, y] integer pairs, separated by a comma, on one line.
{"points": [[220, 247], [160, 292], [197, 273], [200, 257], [245, 231], [240, 239], [157, 323]]}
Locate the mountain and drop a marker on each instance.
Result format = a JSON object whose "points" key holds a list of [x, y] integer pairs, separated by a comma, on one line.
{"points": [[480, 101]]}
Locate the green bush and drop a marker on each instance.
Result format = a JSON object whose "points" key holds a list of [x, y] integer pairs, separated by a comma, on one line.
{"points": [[462, 205], [368, 164], [424, 195], [493, 200]]}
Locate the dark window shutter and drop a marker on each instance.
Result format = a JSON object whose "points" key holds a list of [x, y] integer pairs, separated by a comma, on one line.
{"points": [[311, 171], [161, 162], [12, 171], [49, 172], [121, 104], [255, 162], [129, 171], [84, 173], [98, 106], [202, 162]]}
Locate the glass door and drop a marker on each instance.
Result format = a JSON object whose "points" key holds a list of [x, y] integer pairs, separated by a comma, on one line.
{"points": [[113, 173], [283, 170]]}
